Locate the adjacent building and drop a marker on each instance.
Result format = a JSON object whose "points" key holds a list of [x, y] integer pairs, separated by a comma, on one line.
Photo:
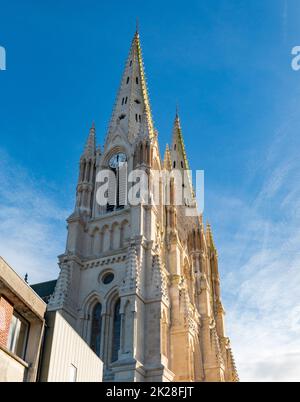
{"points": [[36, 345], [22, 326], [66, 356]]}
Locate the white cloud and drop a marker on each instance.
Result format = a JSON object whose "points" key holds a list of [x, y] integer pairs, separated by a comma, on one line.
{"points": [[259, 247], [264, 315], [31, 223]]}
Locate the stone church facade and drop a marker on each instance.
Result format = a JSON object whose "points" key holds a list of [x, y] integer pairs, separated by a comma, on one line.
{"points": [[140, 283]]}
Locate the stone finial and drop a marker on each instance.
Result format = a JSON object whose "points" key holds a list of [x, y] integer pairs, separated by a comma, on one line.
{"points": [[90, 147]]}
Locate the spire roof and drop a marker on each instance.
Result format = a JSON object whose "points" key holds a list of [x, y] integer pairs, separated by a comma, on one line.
{"points": [[209, 237], [178, 148], [132, 112], [90, 147], [167, 159], [178, 153]]}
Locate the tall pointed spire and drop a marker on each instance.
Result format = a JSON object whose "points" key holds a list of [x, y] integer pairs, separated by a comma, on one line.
{"points": [[179, 157], [209, 237], [132, 112], [90, 147], [177, 111], [167, 159]]}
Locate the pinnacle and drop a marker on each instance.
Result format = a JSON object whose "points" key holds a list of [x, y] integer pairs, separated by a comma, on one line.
{"points": [[167, 158], [209, 235], [90, 146]]}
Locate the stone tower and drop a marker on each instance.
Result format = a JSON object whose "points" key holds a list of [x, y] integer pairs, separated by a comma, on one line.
{"points": [[140, 283]]}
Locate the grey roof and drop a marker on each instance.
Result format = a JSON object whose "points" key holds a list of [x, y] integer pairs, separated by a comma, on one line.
{"points": [[44, 289]]}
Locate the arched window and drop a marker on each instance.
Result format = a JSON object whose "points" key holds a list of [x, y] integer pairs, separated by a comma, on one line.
{"points": [[96, 329], [116, 332]]}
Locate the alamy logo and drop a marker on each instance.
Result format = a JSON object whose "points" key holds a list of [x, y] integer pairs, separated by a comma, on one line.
{"points": [[117, 188], [2, 58], [296, 59]]}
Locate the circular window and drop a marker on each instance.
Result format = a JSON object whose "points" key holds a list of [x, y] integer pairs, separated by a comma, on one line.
{"points": [[108, 278]]}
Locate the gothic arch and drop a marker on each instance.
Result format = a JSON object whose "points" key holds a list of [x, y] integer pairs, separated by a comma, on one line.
{"points": [[111, 297], [111, 342], [89, 302], [96, 329], [115, 236], [95, 241], [93, 230], [125, 232], [112, 151], [105, 235], [87, 308]]}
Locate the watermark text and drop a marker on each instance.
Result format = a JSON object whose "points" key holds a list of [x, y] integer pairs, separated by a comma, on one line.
{"points": [[296, 59], [120, 188], [2, 58]]}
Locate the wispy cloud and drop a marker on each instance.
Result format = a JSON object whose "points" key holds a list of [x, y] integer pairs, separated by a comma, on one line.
{"points": [[285, 19], [260, 263], [31, 222]]}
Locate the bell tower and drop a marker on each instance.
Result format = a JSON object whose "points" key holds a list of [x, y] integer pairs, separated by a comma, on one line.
{"points": [[139, 282]]}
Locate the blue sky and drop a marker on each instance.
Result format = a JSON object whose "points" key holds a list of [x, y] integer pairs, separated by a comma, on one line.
{"points": [[228, 66]]}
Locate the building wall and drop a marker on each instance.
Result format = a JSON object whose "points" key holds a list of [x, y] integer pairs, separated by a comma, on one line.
{"points": [[16, 296], [11, 369], [6, 312], [64, 349]]}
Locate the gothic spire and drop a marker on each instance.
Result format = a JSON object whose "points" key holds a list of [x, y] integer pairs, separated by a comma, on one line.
{"points": [[167, 159], [132, 112], [179, 157], [90, 147], [210, 238]]}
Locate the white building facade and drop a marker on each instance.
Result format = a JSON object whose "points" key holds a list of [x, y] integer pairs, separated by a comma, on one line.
{"points": [[140, 283], [66, 356]]}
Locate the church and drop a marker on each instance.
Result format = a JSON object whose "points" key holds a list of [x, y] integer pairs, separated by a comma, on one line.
{"points": [[140, 283]]}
